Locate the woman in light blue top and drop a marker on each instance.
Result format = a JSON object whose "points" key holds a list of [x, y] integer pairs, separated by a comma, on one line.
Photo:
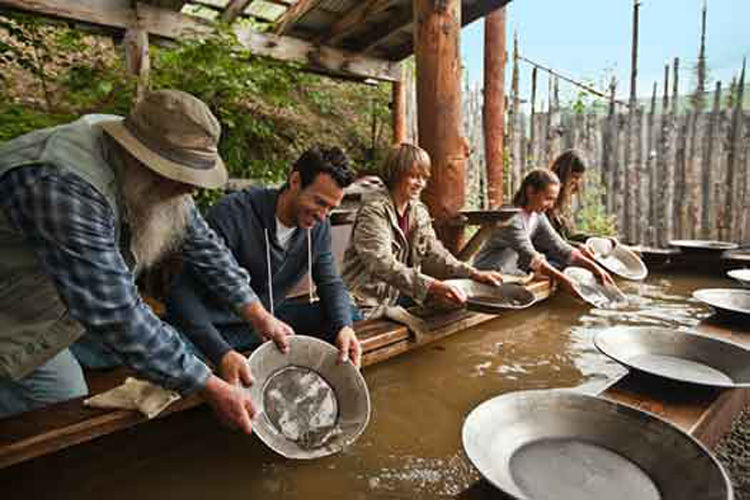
{"points": [[529, 239]]}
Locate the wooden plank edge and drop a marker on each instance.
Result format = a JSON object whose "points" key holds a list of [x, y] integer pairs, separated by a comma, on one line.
{"points": [[716, 421], [115, 420]]}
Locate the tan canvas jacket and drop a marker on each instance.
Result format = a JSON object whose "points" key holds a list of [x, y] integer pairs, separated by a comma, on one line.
{"points": [[375, 264]]}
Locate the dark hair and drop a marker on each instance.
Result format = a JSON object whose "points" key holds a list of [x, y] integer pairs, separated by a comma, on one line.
{"points": [[565, 165], [538, 179], [319, 160]]}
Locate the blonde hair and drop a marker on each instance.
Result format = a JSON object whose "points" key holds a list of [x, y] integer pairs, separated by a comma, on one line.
{"points": [[402, 160]]}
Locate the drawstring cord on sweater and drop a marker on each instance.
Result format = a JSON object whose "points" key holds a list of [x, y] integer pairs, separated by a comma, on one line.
{"points": [[268, 262], [310, 293]]}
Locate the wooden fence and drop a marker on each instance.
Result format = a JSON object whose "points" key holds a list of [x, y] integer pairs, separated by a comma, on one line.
{"points": [[665, 176]]}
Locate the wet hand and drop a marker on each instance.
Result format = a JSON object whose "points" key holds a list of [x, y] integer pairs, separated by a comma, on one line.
{"points": [[349, 347], [271, 328], [606, 278], [446, 294], [235, 369], [492, 278], [231, 403], [571, 289]]}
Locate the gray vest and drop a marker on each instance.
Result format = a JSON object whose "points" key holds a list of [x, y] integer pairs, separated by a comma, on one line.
{"points": [[34, 321]]}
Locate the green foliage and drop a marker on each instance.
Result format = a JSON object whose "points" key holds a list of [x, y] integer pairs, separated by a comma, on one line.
{"points": [[269, 111], [591, 216], [17, 120]]}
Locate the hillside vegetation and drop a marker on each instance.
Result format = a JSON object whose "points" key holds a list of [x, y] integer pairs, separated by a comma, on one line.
{"points": [[269, 111]]}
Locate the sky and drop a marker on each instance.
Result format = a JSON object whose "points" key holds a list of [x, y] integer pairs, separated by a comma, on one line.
{"points": [[590, 39]]}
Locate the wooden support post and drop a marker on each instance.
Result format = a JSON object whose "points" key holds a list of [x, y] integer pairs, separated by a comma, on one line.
{"points": [[494, 103], [398, 109], [436, 42], [137, 57], [516, 133], [634, 54]]}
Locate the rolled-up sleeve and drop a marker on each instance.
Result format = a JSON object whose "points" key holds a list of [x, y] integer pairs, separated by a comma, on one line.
{"points": [[72, 230]]}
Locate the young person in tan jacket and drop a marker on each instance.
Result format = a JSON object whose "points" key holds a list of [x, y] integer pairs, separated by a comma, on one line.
{"points": [[394, 252]]}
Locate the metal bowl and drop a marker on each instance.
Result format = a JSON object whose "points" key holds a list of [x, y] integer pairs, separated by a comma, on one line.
{"points": [[309, 406], [731, 301], [684, 357], [703, 245], [593, 292], [741, 275], [494, 299], [617, 259], [564, 445]]}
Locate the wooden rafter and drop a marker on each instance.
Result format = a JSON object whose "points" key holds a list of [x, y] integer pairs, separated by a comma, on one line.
{"points": [[319, 57], [120, 15], [394, 24], [352, 19], [294, 13], [234, 9]]}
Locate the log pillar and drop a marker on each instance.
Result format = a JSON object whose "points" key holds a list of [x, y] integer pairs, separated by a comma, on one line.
{"points": [[398, 110], [494, 103], [436, 49]]}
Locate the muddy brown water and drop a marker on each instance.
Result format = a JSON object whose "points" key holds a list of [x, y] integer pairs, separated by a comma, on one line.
{"points": [[412, 446]]}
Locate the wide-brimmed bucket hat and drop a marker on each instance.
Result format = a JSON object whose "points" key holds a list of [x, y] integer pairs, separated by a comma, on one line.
{"points": [[309, 405], [174, 134]]}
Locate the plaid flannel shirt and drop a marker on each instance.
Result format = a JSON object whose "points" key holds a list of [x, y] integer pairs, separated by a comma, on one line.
{"points": [[73, 232]]}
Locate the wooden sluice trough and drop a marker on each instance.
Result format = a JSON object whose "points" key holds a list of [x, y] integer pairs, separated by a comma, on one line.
{"points": [[706, 414], [59, 426]]}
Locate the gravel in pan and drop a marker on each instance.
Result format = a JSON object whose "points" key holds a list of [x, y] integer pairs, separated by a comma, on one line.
{"points": [[733, 451]]}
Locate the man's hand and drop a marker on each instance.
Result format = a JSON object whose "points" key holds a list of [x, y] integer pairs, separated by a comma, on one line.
{"points": [[231, 403], [446, 294], [267, 326], [349, 346], [492, 278], [235, 369]]}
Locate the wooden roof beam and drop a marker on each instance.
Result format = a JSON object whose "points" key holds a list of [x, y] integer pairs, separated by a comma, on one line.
{"points": [[394, 25], [318, 57], [295, 12], [355, 17], [120, 15]]}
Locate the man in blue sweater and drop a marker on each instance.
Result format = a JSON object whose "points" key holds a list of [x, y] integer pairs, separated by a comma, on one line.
{"points": [[276, 235]]}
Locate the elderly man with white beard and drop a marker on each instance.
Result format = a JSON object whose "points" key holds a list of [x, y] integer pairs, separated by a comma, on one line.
{"points": [[83, 208]]}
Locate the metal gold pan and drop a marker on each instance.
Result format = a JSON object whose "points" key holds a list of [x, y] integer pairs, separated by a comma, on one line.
{"points": [[733, 301], [309, 406], [741, 275], [563, 445], [684, 357], [703, 245], [493, 299], [617, 259]]}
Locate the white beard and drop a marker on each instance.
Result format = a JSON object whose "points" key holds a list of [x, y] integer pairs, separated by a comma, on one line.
{"points": [[157, 222]]}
